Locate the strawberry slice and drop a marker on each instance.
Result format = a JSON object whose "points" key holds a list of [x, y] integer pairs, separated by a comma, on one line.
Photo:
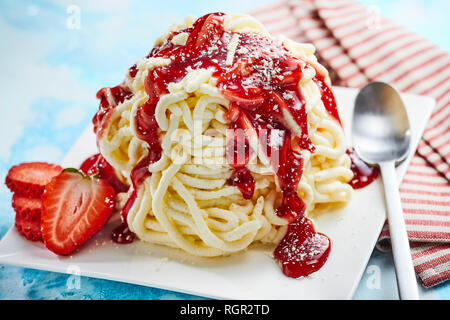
{"points": [[30, 178], [28, 216], [30, 208], [75, 208], [28, 227]]}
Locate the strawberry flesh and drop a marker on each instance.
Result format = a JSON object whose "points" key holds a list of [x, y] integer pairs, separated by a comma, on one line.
{"points": [[30, 178], [28, 215], [75, 208], [30, 208]]}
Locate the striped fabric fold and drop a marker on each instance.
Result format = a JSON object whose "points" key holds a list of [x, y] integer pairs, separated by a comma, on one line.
{"points": [[357, 45]]}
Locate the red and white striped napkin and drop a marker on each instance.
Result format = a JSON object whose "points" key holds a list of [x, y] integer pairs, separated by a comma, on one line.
{"points": [[357, 45]]}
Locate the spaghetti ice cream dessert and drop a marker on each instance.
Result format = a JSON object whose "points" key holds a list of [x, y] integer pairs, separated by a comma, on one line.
{"points": [[224, 136]]}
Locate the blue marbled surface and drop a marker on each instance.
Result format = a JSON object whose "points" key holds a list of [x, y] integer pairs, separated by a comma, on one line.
{"points": [[50, 70]]}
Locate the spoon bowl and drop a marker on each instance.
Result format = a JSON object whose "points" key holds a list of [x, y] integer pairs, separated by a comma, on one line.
{"points": [[380, 124], [381, 136]]}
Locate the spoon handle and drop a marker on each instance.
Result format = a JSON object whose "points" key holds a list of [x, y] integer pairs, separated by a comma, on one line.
{"points": [[406, 278]]}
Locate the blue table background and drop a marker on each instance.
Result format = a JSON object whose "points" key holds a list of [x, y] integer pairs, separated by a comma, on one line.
{"points": [[52, 64]]}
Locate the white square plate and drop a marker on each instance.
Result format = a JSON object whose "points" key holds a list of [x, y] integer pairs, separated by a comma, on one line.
{"points": [[251, 274]]}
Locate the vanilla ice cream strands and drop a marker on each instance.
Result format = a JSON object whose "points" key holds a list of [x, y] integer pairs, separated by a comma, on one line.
{"points": [[227, 136]]}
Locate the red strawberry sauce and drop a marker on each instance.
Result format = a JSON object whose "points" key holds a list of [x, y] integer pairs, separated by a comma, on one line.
{"points": [[363, 174], [261, 84]]}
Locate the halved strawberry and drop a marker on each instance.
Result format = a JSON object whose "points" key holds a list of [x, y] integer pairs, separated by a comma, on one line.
{"points": [[75, 207], [30, 178]]}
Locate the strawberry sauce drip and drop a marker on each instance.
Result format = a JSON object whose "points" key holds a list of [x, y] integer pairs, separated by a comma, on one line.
{"points": [[363, 174], [327, 97], [122, 234], [261, 84], [109, 99], [302, 251], [133, 70], [243, 179]]}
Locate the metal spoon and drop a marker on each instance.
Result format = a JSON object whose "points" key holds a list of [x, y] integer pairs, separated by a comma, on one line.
{"points": [[381, 136]]}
